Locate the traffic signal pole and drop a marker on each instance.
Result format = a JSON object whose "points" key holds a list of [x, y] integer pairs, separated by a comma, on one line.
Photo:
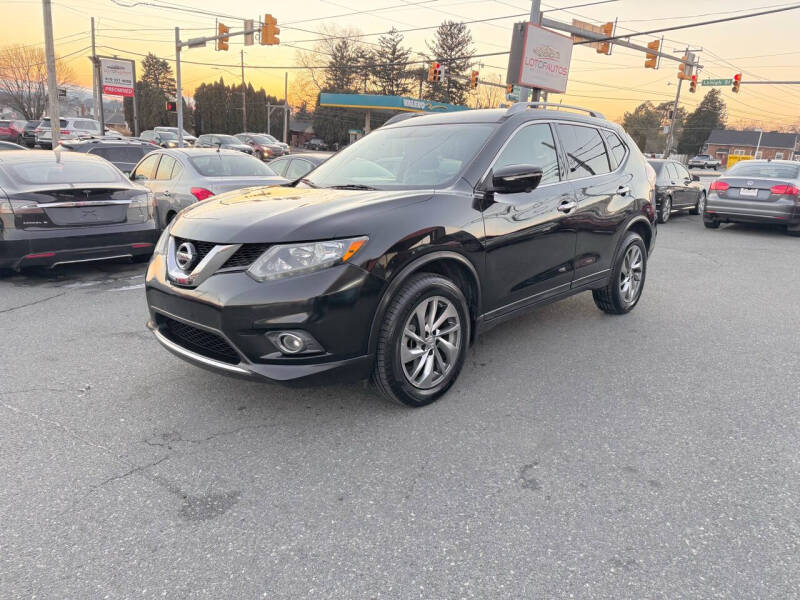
{"points": [[536, 18]]}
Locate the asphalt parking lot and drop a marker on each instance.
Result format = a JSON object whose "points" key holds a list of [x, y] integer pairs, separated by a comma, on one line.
{"points": [[579, 455]]}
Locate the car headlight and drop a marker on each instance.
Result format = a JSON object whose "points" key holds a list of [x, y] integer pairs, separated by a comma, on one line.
{"points": [[287, 260]]}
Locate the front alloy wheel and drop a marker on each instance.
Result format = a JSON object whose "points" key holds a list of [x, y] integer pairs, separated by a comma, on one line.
{"points": [[422, 341]]}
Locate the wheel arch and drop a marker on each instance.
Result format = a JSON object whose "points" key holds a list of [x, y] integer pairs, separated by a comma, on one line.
{"points": [[641, 226], [452, 265]]}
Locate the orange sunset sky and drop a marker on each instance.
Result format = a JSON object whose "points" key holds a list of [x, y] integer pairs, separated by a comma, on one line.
{"points": [[762, 48]]}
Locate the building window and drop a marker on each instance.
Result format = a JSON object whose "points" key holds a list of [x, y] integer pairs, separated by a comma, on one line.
{"points": [[779, 156], [759, 154], [738, 152]]}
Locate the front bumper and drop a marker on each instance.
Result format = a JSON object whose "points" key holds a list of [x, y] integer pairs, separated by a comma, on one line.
{"points": [[20, 248], [229, 314]]}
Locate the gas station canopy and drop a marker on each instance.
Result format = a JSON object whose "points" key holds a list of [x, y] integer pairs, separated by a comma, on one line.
{"points": [[378, 102]]}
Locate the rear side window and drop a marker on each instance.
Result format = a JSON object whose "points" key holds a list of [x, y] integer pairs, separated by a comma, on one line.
{"points": [[147, 168], [279, 166], [165, 167], [586, 153], [299, 168], [532, 145], [616, 148], [120, 155]]}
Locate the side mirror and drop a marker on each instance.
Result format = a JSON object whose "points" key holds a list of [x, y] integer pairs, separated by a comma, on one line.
{"points": [[515, 179], [695, 177]]}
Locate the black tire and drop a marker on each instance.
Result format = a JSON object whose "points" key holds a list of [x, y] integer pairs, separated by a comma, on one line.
{"points": [[388, 373], [665, 211], [610, 299], [793, 231], [701, 203], [711, 223]]}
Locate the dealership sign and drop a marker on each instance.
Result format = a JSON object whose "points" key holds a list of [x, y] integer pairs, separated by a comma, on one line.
{"points": [[546, 59], [117, 76]]}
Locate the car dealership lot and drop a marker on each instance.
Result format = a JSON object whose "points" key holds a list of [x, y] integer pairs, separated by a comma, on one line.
{"points": [[651, 455]]}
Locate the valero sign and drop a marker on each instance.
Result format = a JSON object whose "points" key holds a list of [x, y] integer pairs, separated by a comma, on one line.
{"points": [[117, 76], [546, 58]]}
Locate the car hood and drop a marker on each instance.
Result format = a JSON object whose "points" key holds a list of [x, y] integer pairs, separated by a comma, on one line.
{"points": [[287, 214]]}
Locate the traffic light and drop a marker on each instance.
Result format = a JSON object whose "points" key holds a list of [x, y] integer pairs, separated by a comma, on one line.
{"points": [[651, 60], [473, 80], [737, 81], [222, 43], [172, 106], [608, 31], [436, 72], [684, 69], [693, 84], [270, 31]]}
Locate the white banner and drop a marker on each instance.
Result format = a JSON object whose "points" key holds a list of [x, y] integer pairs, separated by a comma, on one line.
{"points": [[546, 57], [117, 76]]}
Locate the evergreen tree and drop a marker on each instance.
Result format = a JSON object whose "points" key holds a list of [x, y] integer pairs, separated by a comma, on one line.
{"points": [[390, 71], [452, 46], [345, 62], [643, 124], [157, 72], [710, 114]]}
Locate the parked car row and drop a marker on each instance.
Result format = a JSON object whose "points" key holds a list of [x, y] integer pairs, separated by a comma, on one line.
{"points": [[19, 132]]}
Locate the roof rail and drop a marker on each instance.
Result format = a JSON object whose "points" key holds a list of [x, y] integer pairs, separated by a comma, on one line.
{"points": [[518, 107]]}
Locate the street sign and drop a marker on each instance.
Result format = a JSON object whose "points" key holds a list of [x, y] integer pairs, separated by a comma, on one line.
{"points": [[116, 76], [716, 82], [62, 92], [546, 58]]}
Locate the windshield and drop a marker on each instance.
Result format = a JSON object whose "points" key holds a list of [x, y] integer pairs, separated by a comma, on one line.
{"points": [[230, 165], [411, 157], [263, 139], [764, 169], [67, 171], [271, 138], [167, 135]]}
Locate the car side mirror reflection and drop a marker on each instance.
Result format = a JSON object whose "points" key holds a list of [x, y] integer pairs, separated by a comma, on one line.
{"points": [[515, 179]]}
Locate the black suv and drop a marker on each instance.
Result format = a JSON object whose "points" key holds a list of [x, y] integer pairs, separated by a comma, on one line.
{"points": [[123, 154], [388, 259]]}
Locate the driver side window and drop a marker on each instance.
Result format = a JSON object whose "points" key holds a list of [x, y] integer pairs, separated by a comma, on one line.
{"points": [[532, 145], [147, 168]]}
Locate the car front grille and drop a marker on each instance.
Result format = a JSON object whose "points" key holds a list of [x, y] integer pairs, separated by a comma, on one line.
{"points": [[202, 248], [198, 340], [245, 255]]}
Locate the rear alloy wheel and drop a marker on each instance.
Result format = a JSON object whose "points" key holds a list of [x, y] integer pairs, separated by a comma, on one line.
{"points": [[423, 341], [700, 206], [627, 278], [666, 210]]}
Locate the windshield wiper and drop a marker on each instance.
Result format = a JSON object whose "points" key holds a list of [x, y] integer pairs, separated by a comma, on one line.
{"points": [[306, 181], [352, 186]]}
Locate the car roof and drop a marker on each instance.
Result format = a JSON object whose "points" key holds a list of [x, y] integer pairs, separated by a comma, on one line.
{"points": [[17, 156], [498, 115], [190, 152], [763, 161], [106, 141], [310, 156]]}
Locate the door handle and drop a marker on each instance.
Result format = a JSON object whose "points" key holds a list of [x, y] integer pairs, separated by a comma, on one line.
{"points": [[623, 189], [566, 206]]}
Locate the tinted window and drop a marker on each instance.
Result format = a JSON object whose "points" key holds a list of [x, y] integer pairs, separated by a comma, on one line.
{"points": [[226, 139], [230, 165], [586, 154], [616, 149], [147, 135], [279, 166], [532, 145], [46, 123], [764, 169], [147, 167], [165, 168], [408, 157], [298, 168], [129, 155], [83, 171], [671, 172]]}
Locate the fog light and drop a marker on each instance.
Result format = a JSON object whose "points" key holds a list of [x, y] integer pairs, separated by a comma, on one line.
{"points": [[294, 342]]}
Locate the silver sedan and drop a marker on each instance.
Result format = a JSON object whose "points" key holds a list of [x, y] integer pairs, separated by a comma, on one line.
{"points": [[179, 177]]}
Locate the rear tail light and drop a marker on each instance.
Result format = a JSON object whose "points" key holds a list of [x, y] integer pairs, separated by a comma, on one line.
{"points": [[65, 132], [718, 186], [785, 189], [201, 193]]}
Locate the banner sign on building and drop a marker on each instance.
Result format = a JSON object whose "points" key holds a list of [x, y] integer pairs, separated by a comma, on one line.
{"points": [[546, 58], [116, 76]]}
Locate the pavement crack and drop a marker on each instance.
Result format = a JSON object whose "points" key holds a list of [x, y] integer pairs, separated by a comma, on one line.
{"points": [[5, 310], [166, 440]]}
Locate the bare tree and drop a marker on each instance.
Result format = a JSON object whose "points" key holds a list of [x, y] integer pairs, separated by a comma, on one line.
{"points": [[23, 79], [336, 61], [488, 96]]}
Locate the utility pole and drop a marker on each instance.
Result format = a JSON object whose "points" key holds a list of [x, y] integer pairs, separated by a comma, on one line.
{"points": [[269, 115], [179, 90], [95, 82], [536, 19], [285, 107], [693, 67], [52, 84], [244, 102]]}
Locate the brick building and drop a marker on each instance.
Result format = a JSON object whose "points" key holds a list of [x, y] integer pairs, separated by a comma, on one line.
{"points": [[724, 142]]}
